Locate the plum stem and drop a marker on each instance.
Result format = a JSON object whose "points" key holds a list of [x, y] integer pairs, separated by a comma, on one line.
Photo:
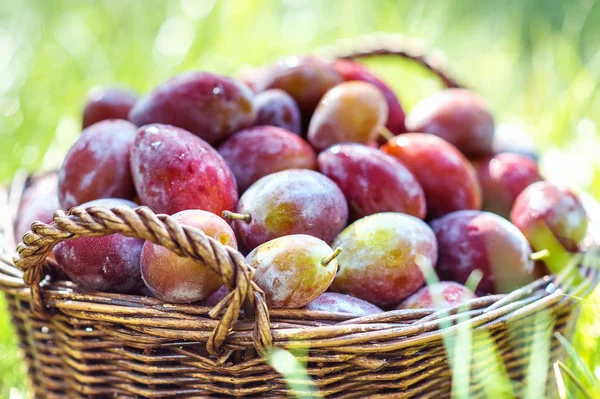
{"points": [[539, 255], [327, 260], [385, 133], [237, 216]]}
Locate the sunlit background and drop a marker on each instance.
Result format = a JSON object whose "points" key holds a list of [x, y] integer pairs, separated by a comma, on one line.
{"points": [[536, 61]]}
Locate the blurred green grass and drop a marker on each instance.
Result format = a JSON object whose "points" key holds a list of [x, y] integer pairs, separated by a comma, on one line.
{"points": [[536, 61]]}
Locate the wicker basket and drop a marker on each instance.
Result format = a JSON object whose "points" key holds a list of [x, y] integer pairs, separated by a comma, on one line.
{"points": [[97, 345]]}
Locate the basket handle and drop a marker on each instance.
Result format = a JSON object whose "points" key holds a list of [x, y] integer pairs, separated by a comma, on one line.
{"points": [[163, 230], [392, 44]]}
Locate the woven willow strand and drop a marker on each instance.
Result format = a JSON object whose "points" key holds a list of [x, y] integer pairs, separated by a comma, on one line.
{"points": [[163, 230]]}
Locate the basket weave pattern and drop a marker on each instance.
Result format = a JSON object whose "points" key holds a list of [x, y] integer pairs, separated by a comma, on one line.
{"points": [[98, 345]]}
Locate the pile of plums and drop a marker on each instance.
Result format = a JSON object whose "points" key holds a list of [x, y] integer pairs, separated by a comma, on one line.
{"points": [[285, 165]]}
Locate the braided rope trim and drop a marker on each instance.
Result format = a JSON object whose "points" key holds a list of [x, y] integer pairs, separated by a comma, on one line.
{"points": [[392, 44], [163, 230]]}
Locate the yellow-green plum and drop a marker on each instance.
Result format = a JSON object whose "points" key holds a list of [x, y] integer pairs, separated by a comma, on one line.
{"points": [[351, 112], [176, 279], [293, 270], [379, 258], [293, 201], [351, 70]]}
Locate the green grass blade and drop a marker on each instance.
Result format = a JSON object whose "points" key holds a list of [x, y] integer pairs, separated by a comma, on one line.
{"points": [[562, 387], [576, 358], [539, 358], [294, 372], [489, 370]]}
